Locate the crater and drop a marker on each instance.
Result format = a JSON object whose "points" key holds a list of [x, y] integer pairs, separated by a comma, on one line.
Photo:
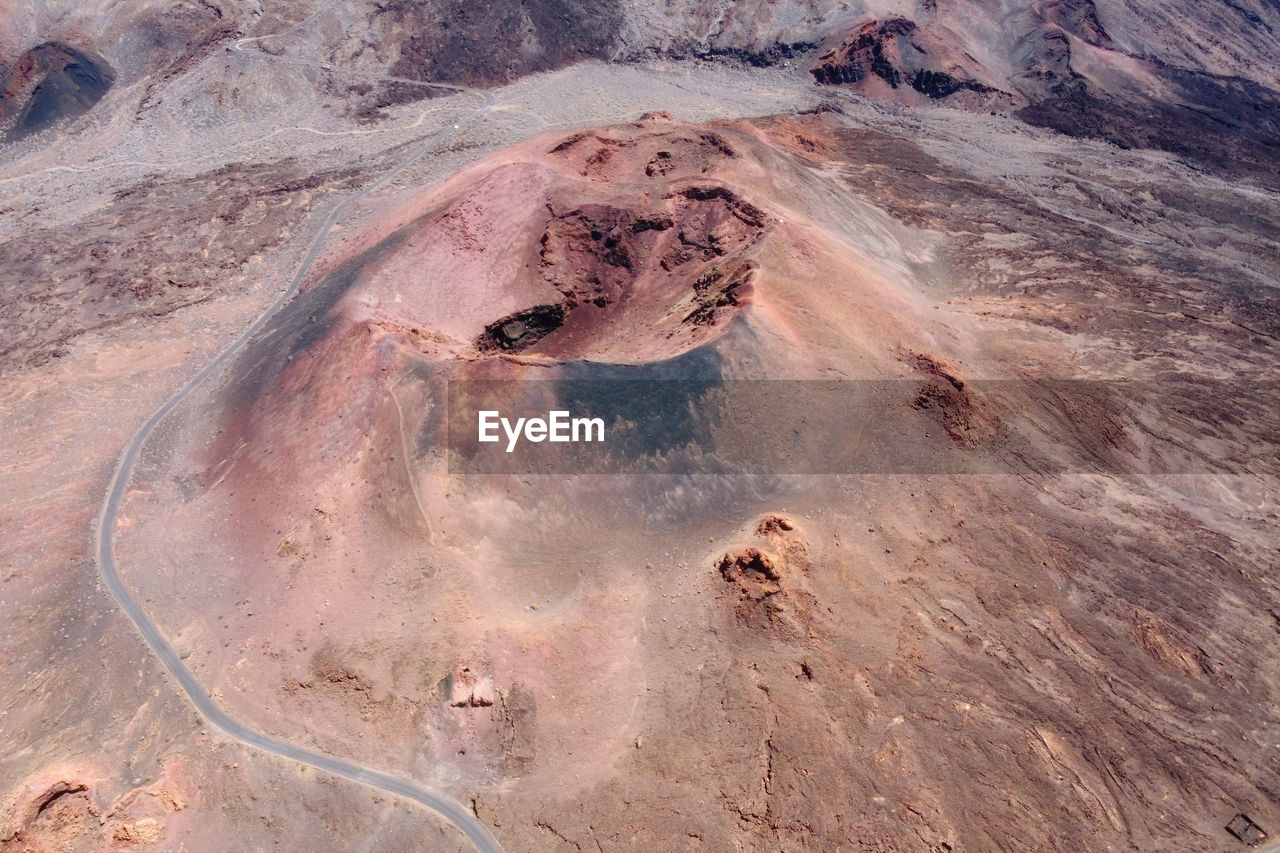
{"points": [[617, 268]]}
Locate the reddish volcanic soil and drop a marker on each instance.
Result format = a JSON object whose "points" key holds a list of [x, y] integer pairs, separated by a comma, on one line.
{"points": [[975, 206], [790, 662]]}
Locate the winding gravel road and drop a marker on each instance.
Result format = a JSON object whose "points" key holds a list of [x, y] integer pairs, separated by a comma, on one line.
{"points": [[446, 808]]}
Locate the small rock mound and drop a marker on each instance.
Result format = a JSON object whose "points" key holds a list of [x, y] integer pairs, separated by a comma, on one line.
{"points": [[754, 571], [944, 395], [57, 814], [774, 525], [145, 831], [768, 579]]}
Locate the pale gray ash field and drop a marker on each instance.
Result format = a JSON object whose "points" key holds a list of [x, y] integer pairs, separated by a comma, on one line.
{"points": [[256, 594]]}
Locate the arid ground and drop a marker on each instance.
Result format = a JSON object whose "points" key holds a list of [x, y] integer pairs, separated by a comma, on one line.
{"points": [[1073, 650]]}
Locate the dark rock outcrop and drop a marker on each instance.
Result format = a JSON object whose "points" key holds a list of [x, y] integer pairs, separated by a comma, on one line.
{"points": [[476, 44], [49, 83], [903, 55], [1227, 125]]}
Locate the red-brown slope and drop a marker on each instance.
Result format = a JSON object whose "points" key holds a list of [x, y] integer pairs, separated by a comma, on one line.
{"points": [[905, 661]]}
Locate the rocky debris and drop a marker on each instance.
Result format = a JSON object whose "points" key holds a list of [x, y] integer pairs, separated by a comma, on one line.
{"points": [[58, 814], [197, 234], [477, 723], [590, 254], [1078, 17], [47, 84], [659, 164], [522, 329], [519, 710], [1055, 423], [743, 211], [330, 673], [778, 53], [755, 571], [455, 41], [145, 831], [966, 418], [1226, 125], [719, 288], [343, 683], [54, 795], [899, 53], [775, 526], [170, 799]]}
